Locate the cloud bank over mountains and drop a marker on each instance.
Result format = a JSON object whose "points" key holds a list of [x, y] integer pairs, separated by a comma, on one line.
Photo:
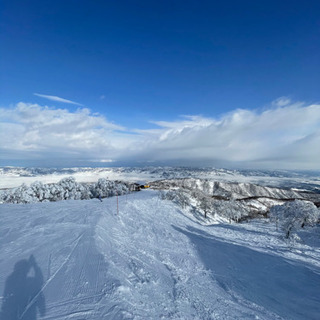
{"points": [[283, 135]]}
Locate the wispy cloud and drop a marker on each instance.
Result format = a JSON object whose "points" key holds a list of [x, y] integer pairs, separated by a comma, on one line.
{"points": [[285, 135], [57, 99], [281, 102]]}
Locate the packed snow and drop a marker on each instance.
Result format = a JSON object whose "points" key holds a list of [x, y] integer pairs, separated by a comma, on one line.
{"points": [[137, 256]]}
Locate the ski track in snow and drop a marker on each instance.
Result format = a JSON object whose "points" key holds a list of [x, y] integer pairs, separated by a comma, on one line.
{"points": [[153, 262]]}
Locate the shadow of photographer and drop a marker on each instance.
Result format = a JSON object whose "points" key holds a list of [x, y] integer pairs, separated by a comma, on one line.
{"points": [[23, 295]]}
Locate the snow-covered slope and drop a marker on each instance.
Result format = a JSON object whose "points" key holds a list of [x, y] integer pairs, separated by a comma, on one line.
{"points": [[233, 201], [150, 262], [228, 190]]}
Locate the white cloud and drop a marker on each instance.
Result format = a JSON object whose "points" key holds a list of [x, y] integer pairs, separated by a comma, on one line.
{"points": [[281, 102], [281, 137], [286, 136], [57, 99], [103, 160], [45, 131]]}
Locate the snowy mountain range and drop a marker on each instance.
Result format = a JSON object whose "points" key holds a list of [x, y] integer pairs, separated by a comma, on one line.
{"points": [[15, 176]]}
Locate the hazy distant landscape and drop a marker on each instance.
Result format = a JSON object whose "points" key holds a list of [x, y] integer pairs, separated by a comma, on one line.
{"points": [[15, 176]]}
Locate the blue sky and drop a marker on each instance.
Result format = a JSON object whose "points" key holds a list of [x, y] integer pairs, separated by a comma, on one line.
{"points": [[137, 64]]}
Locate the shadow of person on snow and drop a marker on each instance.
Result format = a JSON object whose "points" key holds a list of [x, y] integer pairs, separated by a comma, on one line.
{"points": [[22, 294]]}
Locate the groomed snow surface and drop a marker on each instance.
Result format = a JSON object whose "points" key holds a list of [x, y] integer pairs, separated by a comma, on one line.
{"points": [[79, 259]]}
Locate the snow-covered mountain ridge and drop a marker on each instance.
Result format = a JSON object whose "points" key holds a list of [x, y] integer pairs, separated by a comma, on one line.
{"points": [[230, 190], [233, 201]]}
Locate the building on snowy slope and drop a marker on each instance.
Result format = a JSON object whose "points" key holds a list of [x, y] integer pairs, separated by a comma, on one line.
{"points": [[135, 187], [138, 186]]}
